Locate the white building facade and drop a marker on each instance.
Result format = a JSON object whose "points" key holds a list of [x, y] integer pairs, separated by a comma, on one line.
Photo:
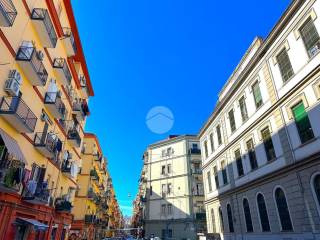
{"points": [[174, 203], [260, 146]]}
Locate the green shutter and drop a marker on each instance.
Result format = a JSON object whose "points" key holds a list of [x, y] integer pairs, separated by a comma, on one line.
{"points": [[299, 112], [302, 122]]}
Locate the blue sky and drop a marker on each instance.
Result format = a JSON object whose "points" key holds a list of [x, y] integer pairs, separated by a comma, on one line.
{"points": [[173, 53]]}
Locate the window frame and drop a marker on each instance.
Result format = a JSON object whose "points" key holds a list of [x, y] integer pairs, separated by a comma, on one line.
{"points": [[205, 146], [232, 121], [219, 135], [230, 218], [259, 215], [244, 215], [224, 172], [265, 141], [314, 194], [280, 220], [304, 23], [216, 176], [211, 137], [238, 161], [286, 74], [254, 152], [244, 115], [257, 82], [221, 220], [209, 181]]}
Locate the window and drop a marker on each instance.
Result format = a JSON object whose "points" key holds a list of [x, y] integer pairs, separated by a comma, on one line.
{"points": [[169, 188], [237, 155], [257, 94], [247, 215], [169, 168], [206, 148], [194, 146], [310, 37], [219, 135], [224, 173], [209, 181], [284, 65], [163, 209], [302, 122], [316, 186], [230, 218], [243, 109], [252, 155], [268, 144], [264, 219], [283, 210], [163, 190], [211, 142], [216, 176], [163, 170], [232, 120], [221, 220], [213, 221], [169, 206]]}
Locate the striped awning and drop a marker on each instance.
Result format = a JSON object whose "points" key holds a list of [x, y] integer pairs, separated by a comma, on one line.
{"points": [[12, 146]]}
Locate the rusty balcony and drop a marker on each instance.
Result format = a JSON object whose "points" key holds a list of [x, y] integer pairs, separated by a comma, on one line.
{"points": [[61, 69], [8, 13], [69, 42], [42, 22], [17, 113], [30, 60]]}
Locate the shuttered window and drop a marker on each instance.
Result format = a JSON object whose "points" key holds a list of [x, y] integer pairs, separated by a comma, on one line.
{"points": [[310, 37], [268, 144], [302, 122], [284, 65], [257, 94]]}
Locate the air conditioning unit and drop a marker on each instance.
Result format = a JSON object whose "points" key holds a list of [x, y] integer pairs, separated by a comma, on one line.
{"points": [[13, 83]]}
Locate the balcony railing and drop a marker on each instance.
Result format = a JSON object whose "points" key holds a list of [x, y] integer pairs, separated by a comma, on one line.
{"points": [[54, 103], [84, 87], [18, 114], [36, 192], [74, 137], [62, 205], [44, 26], [8, 169], [80, 109], [31, 62], [69, 42], [46, 144], [61, 68], [8, 13], [194, 151]]}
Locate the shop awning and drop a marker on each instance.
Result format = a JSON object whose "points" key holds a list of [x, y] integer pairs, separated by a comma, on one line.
{"points": [[12, 146], [36, 224]]}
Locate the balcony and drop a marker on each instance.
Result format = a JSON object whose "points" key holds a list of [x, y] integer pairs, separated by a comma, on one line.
{"points": [[42, 22], [69, 169], [62, 71], [17, 113], [8, 168], [31, 63], [62, 205], [41, 194], [194, 151], [45, 143], [201, 216], [69, 42], [8, 13], [54, 104], [89, 219], [84, 87], [73, 137], [80, 109], [94, 175]]}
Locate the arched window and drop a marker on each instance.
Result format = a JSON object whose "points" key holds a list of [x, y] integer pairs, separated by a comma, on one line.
{"points": [[264, 219], [316, 186], [213, 222], [221, 220], [230, 218], [247, 215], [283, 210]]}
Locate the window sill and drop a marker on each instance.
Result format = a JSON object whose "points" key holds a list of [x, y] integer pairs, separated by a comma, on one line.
{"points": [[308, 142]]}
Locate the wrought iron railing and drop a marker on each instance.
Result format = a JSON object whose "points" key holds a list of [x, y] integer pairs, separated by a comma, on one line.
{"points": [[48, 141], [41, 192], [26, 53], [15, 105], [8, 10], [67, 32], [42, 14], [62, 64]]}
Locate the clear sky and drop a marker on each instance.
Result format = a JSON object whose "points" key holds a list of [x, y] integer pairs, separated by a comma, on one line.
{"points": [[173, 53]]}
